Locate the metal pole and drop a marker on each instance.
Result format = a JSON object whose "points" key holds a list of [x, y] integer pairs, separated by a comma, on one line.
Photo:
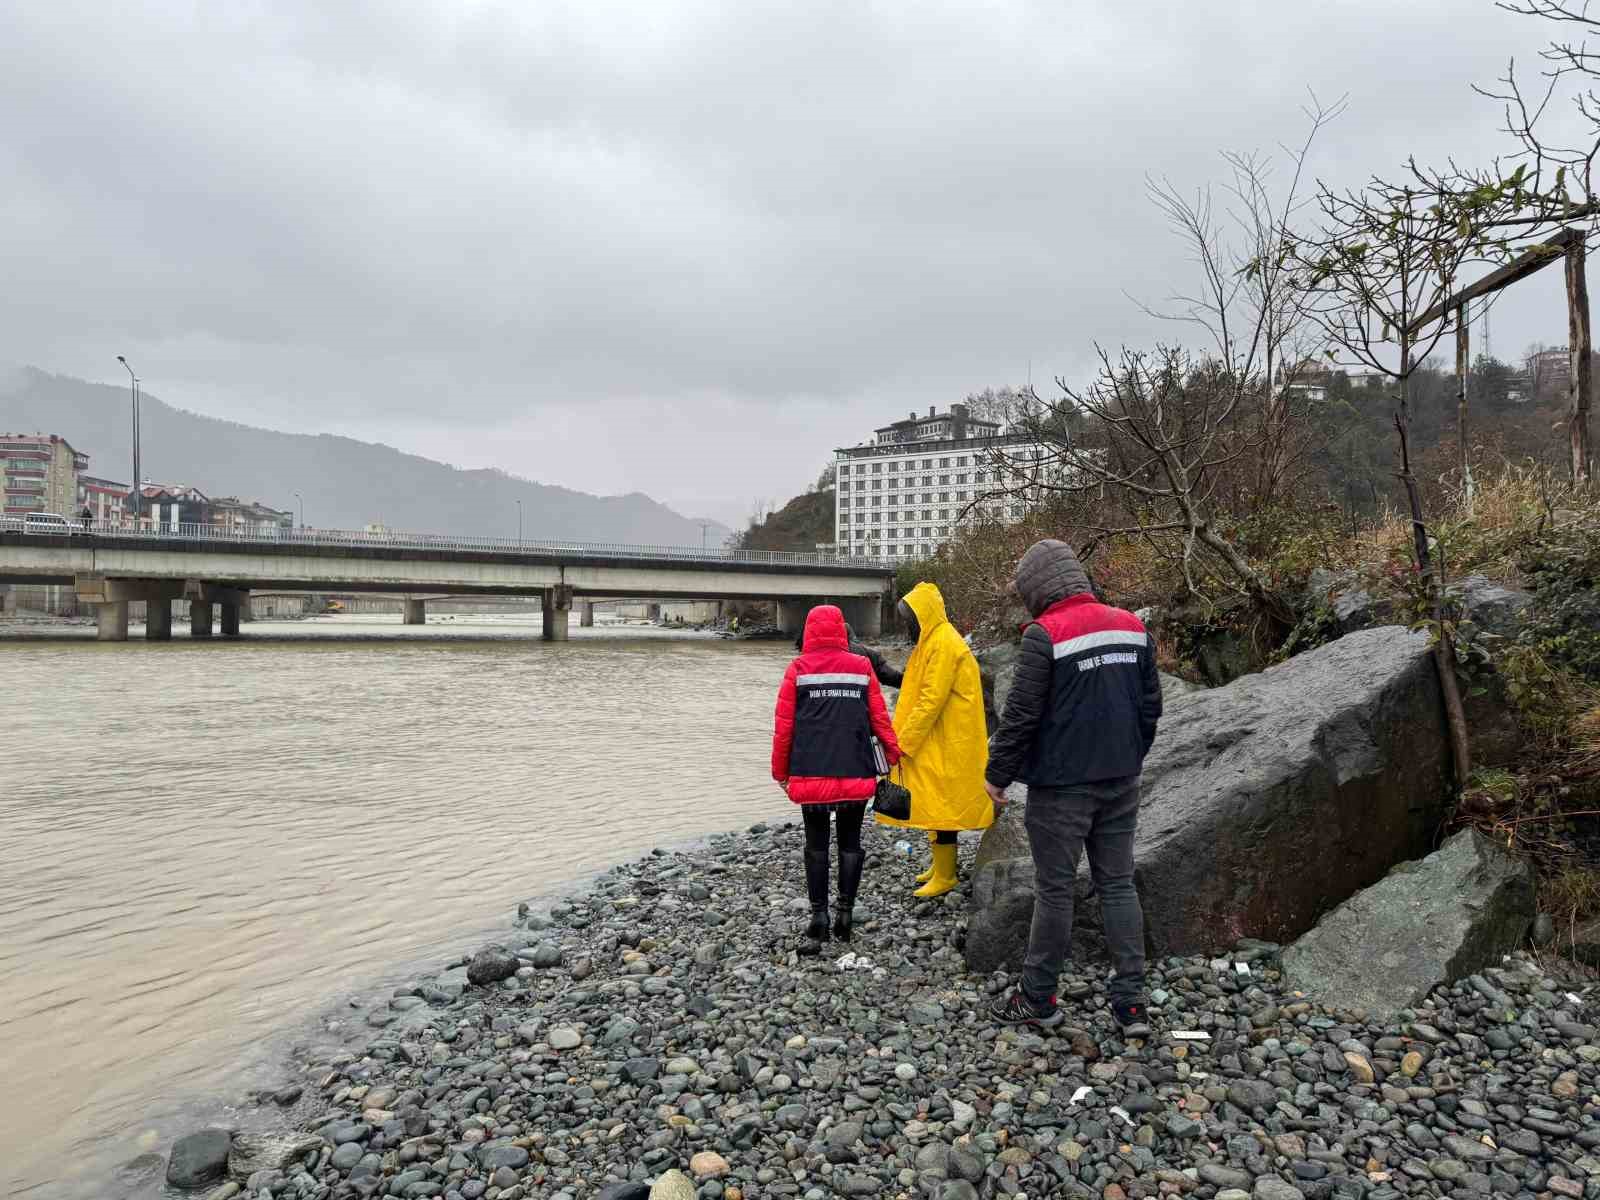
{"points": [[302, 500], [135, 494], [519, 522]]}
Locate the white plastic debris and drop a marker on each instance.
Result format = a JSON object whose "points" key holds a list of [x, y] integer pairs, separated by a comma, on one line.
{"points": [[851, 961], [1119, 1111], [1079, 1095], [1191, 1035], [1242, 968], [1574, 999]]}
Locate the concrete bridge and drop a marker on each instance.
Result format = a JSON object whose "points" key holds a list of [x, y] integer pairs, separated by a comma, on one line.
{"points": [[111, 566]]}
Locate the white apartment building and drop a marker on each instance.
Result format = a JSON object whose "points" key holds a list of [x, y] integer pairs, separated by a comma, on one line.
{"points": [[901, 494]]}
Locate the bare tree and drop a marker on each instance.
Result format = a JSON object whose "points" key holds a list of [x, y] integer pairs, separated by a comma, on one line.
{"points": [[1155, 438], [1558, 170], [1247, 302], [1165, 439], [1379, 276]]}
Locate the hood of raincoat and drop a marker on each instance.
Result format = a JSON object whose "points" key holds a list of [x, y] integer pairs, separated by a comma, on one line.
{"points": [[940, 724], [927, 601], [1049, 573], [826, 630]]}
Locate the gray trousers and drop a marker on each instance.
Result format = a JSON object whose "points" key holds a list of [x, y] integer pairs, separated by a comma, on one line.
{"points": [[1061, 824]]}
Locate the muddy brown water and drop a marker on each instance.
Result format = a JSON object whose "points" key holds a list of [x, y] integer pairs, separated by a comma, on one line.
{"points": [[204, 843]]}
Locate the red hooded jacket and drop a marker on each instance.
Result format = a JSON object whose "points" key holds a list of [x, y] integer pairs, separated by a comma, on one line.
{"points": [[829, 709]]}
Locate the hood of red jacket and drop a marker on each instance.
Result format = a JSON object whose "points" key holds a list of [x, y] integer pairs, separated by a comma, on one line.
{"points": [[825, 629]]}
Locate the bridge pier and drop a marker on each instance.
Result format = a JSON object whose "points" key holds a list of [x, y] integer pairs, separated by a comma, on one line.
{"points": [[158, 620], [201, 616], [111, 621], [586, 615], [416, 612], [792, 615], [230, 618], [555, 611], [865, 615]]}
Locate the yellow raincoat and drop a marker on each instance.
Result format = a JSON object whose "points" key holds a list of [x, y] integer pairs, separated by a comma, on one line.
{"points": [[938, 721]]}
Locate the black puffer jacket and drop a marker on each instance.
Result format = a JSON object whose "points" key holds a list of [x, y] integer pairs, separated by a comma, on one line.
{"points": [[1087, 696]]}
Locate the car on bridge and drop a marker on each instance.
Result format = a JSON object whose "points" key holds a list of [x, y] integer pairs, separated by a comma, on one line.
{"points": [[50, 523]]}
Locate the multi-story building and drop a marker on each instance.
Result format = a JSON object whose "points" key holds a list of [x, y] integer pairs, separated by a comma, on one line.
{"points": [[901, 494], [174, 504], [250, 517], [41, 474], [106, 500]]}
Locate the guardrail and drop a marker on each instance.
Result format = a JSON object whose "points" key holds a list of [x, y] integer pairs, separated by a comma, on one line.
{"points": [[435, 541]]}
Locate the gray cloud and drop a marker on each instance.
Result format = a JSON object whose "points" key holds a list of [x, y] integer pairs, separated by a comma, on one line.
{"points": [[680, 247]]}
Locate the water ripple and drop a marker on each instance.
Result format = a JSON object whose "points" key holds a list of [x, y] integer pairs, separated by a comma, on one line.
{"points": [[204, 841]]}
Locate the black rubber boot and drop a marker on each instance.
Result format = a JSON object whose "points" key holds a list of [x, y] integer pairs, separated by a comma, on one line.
{"points": [[850, 864], [817, 889]]}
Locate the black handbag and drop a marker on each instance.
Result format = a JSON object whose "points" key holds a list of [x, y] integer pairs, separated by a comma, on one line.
{"points": [[889, 799]]}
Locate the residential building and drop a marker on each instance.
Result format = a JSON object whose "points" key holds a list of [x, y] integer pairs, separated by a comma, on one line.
{"points": [[248, 517], [1551, 370], [174, 504], [41, 474], [106, 500], [901, 494]]}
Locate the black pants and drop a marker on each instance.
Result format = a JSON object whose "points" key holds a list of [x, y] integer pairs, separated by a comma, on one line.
{"points": [[849, 817]]}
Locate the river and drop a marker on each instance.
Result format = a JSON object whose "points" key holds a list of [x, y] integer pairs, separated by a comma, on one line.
{"points": [[207, 843]]}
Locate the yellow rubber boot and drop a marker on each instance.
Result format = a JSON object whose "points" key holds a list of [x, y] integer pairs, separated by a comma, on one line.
{"points": [[928, 874], [944, 871]]}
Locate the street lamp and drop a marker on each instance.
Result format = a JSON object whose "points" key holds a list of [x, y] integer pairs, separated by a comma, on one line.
{"points": [[302, 500], [519, 522], [135, 492]]}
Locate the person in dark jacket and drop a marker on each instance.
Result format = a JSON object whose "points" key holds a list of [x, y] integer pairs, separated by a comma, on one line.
{"points": [[829, 709], [1078, 722], [886, 674]]}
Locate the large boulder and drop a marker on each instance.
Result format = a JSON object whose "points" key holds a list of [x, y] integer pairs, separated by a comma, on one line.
{"points": [[1265, 803], [1426, 923], [199, 1158], [1491, 606]]}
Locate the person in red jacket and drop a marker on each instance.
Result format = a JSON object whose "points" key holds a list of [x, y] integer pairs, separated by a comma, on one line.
{"points": [[829, 709]]}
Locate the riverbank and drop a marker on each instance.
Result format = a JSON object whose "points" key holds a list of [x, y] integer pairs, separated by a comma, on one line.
{"points": [[660, 1021]]}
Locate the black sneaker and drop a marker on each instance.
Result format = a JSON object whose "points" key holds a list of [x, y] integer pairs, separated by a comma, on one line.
{"points": [[1131, 1019], [1017, 1009]]}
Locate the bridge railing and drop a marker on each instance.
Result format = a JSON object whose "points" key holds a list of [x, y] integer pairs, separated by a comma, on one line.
{"points": [[386, 539]]}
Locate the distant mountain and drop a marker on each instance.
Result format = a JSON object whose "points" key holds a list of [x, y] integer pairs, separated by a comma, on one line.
{"points": [[346, 483]]}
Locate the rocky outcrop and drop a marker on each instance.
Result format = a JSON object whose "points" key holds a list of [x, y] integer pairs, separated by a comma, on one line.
{"points": [[1266, 803], [1491, 606], [1425, 924]]}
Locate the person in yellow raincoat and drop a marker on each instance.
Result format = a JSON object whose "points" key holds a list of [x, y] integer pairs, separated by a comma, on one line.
{"points": [[944, 744]]}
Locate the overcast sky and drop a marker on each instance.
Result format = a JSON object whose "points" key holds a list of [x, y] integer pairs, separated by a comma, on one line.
{"points": [[678, 247]]}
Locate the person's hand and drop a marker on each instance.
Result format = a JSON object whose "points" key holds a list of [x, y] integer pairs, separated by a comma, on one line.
{"points": [[997, 795]]}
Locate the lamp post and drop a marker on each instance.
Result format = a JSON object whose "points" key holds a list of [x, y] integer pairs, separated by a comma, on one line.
{"points": [[135, 491], [519, 522], [302, 500]]}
